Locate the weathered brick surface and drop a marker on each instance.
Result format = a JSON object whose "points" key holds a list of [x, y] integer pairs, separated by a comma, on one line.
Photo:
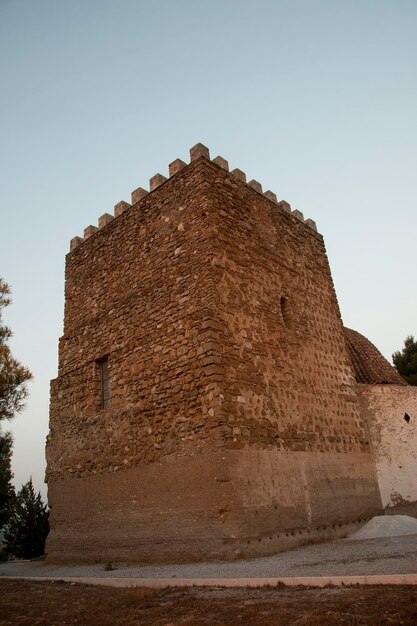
{"points": [[368, 363], [228, 370]]}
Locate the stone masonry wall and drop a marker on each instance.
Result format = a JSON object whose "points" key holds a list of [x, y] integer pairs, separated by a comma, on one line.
{"points": [[139, 291], [288, 382], [189, 303]]}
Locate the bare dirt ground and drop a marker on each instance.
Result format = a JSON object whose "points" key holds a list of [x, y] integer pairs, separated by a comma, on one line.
{"points": [[54, 603]]}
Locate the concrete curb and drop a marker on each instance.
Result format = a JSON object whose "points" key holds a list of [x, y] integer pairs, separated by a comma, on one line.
{"points": [[160, 583]]}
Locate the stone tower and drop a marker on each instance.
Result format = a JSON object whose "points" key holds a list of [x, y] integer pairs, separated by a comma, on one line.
{"points": [[205, 405]]}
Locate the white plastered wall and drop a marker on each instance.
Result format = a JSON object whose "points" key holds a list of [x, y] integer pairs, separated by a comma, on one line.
{"points": [[393, 439]]}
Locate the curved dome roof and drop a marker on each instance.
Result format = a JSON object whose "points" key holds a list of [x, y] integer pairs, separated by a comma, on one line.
{"points": [[369, 365]]}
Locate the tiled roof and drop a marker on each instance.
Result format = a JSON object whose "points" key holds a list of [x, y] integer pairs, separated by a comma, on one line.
{"points": [[368, 363]]}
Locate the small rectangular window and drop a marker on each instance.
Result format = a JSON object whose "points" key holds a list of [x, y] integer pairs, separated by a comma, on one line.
{"points": [[105, 382]]}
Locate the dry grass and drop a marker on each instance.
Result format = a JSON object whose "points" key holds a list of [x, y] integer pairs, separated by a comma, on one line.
{"points": [[45, 603]]}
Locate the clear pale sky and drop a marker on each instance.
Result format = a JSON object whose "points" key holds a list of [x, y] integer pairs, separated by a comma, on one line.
{"points": [[315, 99]]}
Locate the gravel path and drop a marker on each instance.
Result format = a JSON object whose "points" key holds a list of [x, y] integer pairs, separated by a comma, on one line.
{"points": [[388, 555]]}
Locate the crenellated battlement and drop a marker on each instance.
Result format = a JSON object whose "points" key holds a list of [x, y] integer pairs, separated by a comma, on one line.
{"points": [[196, 152]]}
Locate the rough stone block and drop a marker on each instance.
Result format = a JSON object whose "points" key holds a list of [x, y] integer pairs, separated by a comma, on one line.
{"points": [[138, 194], [255, 185], [105, 219], [121, 207], [198, 151], [284, 205], [156, 181], [176, 166], [75, 241], [90, 230], [271, 196], [221, 162], [298, 215], [239, 174], [312, 224]]}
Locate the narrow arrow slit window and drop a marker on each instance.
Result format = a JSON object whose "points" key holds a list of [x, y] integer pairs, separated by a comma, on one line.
{"points": [[105, 383]]}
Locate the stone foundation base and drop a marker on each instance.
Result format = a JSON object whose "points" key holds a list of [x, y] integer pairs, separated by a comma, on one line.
{"points": [[219, 505]]}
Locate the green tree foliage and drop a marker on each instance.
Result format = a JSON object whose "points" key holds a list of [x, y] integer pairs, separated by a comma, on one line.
{"points": [[28, 525], [7, 493], [13, 375], [406, 361]]}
